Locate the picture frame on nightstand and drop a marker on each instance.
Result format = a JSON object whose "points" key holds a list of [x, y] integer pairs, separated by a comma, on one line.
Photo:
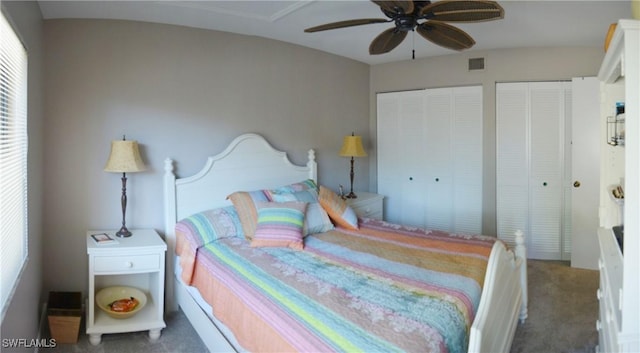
{"points": [[103, 238]]}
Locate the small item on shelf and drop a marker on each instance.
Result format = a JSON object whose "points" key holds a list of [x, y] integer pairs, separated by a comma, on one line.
{"points": [[618, 232], [620, 123], [103, 238], [121, 302], [124, 305], [616, 126], [612, 29], [618, 193]]}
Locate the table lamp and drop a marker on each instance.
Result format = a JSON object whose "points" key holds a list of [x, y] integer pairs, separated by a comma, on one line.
{"points": [[124, 158], [352, 147]]}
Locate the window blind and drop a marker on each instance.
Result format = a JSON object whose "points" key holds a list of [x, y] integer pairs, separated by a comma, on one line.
{"points": [[13, 161]]}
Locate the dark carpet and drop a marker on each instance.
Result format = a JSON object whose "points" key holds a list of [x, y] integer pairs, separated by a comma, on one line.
{"points": [[563, 309]]}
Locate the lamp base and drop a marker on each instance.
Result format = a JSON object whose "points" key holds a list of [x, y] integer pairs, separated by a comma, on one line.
{"points": [[351, 195], [123, 233]]}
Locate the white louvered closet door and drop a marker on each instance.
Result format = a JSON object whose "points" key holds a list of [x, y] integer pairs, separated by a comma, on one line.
{"points": [[547, 169], [401, 176], [454, 159], [530, 121], [467, 159], [512, 160], [438, 159]]}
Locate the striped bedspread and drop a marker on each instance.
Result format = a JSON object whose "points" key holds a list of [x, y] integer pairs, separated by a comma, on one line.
{"points": [[382, 288]]}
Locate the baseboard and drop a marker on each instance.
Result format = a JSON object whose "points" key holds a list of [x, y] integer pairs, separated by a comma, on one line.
{"points": [[41, 325]]}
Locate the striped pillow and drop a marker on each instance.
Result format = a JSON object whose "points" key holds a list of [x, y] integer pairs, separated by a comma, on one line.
{"points": [[341, 213], [279, 224], [316, 219], [204, 227]]}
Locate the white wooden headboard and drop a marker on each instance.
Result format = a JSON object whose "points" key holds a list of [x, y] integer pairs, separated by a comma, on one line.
{"points": [[248, 163]]}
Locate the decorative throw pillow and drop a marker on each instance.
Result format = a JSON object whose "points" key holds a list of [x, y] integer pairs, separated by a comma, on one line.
{"points": [[204, 227], [337, 208], [316, 219], [245, 204], [308, 184], [280, 224]]}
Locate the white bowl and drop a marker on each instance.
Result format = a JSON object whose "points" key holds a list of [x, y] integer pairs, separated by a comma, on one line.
{"points": [[108, 295]]}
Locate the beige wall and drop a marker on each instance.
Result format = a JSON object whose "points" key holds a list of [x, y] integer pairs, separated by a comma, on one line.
{"points": [[182, 93], [23, 315], [507, 65]]}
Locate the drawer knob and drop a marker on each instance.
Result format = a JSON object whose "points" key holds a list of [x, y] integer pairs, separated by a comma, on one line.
{"points": [[599, 294], [598, 325], [128, 264]]}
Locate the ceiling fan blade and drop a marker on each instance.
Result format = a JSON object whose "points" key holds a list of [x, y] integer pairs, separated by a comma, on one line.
{"points": [[348, 23], [463, 11], [395, 6], [445, 35], [386, 41]]}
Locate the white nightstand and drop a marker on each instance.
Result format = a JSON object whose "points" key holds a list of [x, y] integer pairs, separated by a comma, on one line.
{"points": [[137, 261], [367, 205]]}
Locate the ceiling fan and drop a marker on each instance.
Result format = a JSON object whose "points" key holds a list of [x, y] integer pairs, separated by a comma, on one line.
{"points": [[409, 15]]}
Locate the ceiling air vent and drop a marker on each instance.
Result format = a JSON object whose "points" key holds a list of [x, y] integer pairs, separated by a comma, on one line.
{"points": [[476, 64]]}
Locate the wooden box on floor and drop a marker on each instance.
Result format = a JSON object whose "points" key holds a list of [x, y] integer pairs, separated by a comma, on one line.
{"points": [[64, 313]]}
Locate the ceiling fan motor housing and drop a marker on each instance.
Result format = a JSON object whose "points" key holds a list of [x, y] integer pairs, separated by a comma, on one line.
{"points": [[406, 23]]}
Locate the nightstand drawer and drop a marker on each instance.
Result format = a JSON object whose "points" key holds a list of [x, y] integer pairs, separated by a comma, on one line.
{"points": [[132, 263]]}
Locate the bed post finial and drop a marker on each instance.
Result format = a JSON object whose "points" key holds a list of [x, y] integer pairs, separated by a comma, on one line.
{"points": [[312, 165], [521, 252], [168, 165]]}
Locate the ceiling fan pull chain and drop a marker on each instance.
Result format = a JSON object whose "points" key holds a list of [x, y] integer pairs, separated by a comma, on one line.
{"points": [[413, 44]]}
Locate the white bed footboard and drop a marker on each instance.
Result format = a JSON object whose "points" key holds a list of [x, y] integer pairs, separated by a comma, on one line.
{"points": [[503, 300]]}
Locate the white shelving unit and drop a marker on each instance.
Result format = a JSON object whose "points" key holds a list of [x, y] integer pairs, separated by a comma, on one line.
{"points": [[137, 261], [618, 324]]}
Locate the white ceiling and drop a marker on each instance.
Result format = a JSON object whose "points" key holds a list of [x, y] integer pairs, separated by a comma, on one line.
{"points": [[526, 23]]}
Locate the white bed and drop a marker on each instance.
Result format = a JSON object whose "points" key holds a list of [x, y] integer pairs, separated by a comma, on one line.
{"points": [[250, 163]]}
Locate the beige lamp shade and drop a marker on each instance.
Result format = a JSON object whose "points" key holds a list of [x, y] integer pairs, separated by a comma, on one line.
{"points": [[352, 147], [124, 157]]}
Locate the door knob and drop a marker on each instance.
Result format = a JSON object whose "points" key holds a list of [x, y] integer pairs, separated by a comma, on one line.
{"points": [[576, 184]]}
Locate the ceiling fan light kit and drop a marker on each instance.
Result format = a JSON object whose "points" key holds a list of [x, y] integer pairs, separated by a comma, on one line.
{"points": [[427, 18]]}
